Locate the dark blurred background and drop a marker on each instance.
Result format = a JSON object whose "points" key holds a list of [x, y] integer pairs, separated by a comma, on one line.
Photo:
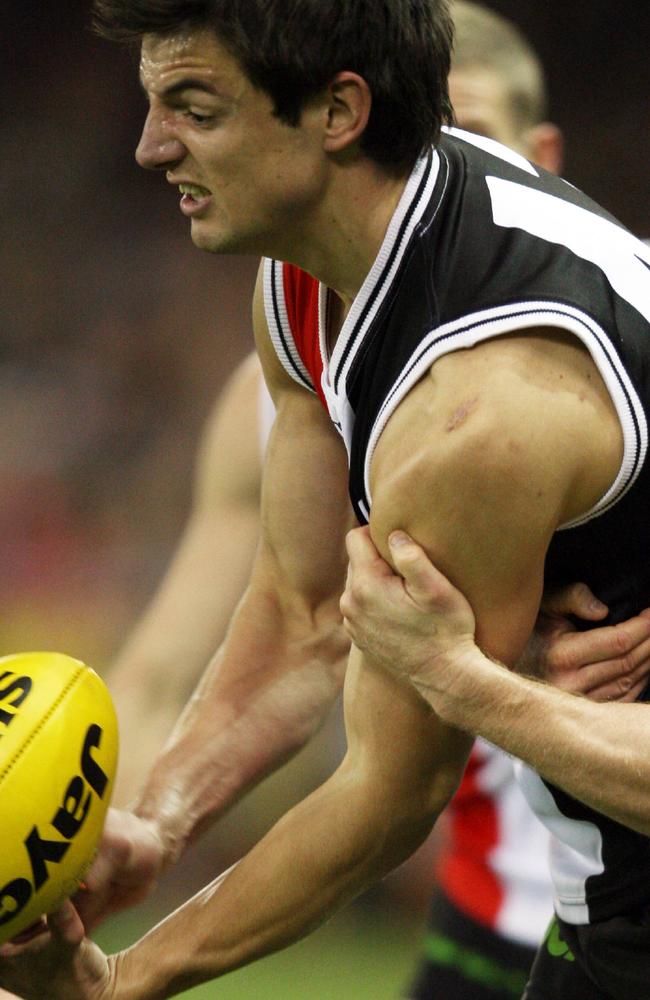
{"points": [[116, 334]]}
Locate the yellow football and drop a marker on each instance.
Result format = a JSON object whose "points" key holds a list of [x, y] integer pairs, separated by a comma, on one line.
{"points": [[58, 756]]}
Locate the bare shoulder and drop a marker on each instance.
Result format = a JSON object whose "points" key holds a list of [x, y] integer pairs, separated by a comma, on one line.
{"points": [[529, 410], [486, 457]]}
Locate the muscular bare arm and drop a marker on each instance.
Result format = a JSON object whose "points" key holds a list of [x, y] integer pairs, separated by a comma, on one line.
{"points": [[597, 752], [268, 688]]}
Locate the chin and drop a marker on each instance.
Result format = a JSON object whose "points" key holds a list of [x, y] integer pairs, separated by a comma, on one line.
{"points": [[213, 242], [205, 240]]}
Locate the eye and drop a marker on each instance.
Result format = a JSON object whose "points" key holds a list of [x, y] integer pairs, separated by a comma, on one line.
{"points": [[199, 119]]}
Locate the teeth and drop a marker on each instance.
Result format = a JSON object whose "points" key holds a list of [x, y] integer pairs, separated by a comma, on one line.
{"points": [[193, 190]]}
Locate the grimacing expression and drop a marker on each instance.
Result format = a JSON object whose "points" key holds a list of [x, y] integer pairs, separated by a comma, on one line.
{"points": [[242, 172], [248, 181]]}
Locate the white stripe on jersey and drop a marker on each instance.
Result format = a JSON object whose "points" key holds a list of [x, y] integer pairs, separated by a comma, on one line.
{"points": [[576, 850], [275, 308], [494, 148], [520, 859]]}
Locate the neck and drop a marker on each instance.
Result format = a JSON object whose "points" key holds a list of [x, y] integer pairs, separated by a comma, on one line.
{"points": [[338, 244]]}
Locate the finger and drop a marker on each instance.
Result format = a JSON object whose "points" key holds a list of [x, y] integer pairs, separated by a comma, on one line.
{"points": [[31, 932], [628, 687], [575, 599], [38, 931], [368, 591], [613, 642], [113, 856], [424, 583], [66, 925], [92, 898], [363, 553], [613, 678]]}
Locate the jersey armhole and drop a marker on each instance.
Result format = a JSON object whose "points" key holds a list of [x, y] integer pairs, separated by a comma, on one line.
{"points": [[471, 330], [277, 318]]}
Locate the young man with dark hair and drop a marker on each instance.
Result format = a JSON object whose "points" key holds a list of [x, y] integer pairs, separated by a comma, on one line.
{"points": [[474, 348]]}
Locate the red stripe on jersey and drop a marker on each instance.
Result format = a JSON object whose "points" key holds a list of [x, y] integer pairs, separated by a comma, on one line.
{"points": [[463, 870], [301, 299]]}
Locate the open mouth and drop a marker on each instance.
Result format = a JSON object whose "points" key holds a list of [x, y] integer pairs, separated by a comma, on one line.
{"points": [[193, 191], [194, 199]]}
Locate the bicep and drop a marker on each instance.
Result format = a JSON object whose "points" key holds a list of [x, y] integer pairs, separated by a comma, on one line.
{"points": [[482, 535], [305, 506]]}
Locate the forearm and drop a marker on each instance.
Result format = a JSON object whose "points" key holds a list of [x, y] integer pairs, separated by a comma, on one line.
{"points": [[596, 752], [322, 854], [262, 697]]}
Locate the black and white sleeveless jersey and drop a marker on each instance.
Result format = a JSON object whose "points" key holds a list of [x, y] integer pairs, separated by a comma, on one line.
{"points": [[483, 243]]}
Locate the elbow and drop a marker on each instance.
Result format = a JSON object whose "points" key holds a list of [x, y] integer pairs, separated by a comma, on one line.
{"points": [[318, 648], [397, 820]]}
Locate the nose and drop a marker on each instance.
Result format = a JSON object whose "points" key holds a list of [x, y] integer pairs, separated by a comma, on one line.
{"points": [[159, 148]]}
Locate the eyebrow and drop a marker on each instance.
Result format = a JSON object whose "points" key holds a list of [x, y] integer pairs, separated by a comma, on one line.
{"points": [[187, 83]]}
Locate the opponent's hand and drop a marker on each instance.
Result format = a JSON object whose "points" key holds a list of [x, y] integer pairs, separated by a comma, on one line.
{"points": [[406, 619], [59, 963], [124, 872], [604, 664]]}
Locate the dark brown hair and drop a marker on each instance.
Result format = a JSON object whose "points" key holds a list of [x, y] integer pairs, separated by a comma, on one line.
{"points": [[292, 49]]}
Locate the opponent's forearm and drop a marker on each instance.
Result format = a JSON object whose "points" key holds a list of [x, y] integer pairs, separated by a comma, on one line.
{"points": [[265, 693], [597, 752], [322, 854]]}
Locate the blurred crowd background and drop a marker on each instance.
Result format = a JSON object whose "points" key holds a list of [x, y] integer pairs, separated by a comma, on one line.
{"points": [[116, 334]]}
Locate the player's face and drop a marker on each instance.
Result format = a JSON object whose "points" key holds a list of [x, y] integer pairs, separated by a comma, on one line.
{"points": [[481, 104], [246, 179]]}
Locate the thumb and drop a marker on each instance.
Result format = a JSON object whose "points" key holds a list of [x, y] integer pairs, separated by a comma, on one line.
{"points": [[66, 925], [423, 582]]}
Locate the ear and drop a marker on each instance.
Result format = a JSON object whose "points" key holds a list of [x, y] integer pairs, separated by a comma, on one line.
{"points": [[545, 145], [349, 102]]}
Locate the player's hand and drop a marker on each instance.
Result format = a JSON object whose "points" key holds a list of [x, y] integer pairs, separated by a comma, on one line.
{"points": [[408, 619], [608, 663], [124, 872], [58, 964]]}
